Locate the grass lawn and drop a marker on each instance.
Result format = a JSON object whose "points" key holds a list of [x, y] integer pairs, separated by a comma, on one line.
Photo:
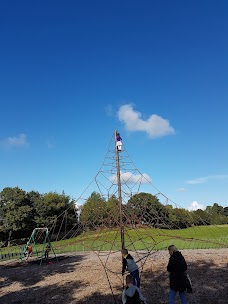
{"points": [[199, 237]]}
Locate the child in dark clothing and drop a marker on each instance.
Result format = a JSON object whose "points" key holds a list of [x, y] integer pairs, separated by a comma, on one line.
{"points": [[48, 249], [131, 266], [132, 294]]}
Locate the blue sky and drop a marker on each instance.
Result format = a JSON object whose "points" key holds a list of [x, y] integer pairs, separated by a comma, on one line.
{"points": [[72, 72]]}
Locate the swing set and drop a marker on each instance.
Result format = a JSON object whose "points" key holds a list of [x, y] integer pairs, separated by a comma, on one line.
{"points": [[40, 241]]}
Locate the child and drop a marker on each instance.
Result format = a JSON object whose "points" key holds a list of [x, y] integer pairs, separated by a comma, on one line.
{"points": [[48, 249], [118, 142], [132, 294], [28, 251], [129, 263]]}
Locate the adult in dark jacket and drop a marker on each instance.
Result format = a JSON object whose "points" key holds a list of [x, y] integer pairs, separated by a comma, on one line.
{"points": [[177, 267]]}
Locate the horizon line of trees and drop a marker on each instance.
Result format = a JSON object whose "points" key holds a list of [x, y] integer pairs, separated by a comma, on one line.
{"points": [[146, 209], [21, 212]]}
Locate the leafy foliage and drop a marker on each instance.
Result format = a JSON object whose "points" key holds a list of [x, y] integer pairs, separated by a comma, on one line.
{"points": [[21, 212], [94, 211]]}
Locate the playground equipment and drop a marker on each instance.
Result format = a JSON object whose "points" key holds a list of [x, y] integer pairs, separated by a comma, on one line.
{"points": [[34, 245]]}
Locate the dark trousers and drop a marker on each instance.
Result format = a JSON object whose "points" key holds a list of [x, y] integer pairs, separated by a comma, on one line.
{"points": [[136, 278]]}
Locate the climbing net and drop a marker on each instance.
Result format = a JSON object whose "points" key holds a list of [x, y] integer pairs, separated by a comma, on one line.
{"points": [[117, 210], [111, 214]]}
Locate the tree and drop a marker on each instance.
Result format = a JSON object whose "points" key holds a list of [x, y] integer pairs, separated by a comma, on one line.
{"points": [[21, 212], [226, 211], [171, 217], [113, 212], [54, 208], [183, 218], [147, 208], [16, 211], [217, 215], [201, 217], [94, 211]]}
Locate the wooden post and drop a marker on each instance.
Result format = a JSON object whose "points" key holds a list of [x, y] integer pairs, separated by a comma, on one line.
{"points": [[119, 194]]}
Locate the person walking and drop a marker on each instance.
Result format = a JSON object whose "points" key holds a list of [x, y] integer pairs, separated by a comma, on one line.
{"points": [[177, 267]]}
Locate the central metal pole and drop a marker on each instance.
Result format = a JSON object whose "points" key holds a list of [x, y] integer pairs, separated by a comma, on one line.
{"points": [[119, 193]]}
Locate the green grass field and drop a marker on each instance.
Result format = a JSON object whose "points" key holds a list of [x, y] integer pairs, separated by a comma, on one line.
{"points": [[200, 237], [148, 238]]}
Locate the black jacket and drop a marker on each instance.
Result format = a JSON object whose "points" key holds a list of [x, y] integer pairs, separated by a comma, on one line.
{"points": [[177, 267]]}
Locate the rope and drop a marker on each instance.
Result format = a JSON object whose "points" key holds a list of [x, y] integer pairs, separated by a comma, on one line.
{"points": [[146, 235]]}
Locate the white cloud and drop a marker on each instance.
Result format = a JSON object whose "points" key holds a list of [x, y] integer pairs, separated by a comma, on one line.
{"points": [[181, 190], [130, 178], [15, 141], [195, 206], [154, 126], [201, 180]]}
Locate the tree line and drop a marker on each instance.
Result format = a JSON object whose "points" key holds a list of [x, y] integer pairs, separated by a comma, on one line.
{"points": [[21, 212], [146, 209]]}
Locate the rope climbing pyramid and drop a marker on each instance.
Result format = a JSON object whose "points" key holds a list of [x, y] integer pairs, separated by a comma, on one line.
{"points": [[112, 214]]}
